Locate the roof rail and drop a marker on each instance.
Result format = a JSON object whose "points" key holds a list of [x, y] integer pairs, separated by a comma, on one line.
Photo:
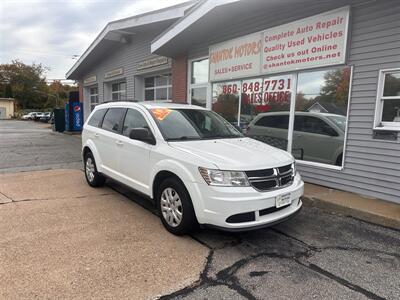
{"points": [[124, 100], [135, 100]]}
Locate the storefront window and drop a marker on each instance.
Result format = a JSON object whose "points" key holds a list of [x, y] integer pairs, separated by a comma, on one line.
{"points": [[198, 82], [118, 91], [265, 109], [158, 87], [199, 96], [388, 102], [94, 97], [321, 115], [226, 100], [199, 71]]}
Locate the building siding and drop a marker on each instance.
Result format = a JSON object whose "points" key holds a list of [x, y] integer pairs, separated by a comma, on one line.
{"points": [[126, 56], [371, 167]]}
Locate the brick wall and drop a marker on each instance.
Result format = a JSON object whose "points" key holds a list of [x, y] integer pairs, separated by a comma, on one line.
{"points": [[179, 79]]}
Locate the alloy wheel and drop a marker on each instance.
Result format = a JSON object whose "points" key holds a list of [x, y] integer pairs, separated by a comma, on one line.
{"points": [[89, 169], [171, 207]]}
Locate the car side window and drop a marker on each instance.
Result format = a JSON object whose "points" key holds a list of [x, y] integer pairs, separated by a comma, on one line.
{"points": [[280, 122], [97, 117], [313, 125], [133, 119], [112, 119]]}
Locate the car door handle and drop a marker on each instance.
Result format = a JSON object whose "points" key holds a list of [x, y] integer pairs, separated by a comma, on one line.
{"points": [[119, 143]]}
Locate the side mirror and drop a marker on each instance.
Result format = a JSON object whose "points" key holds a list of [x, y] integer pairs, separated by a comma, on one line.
{"points": [[142, 134]]}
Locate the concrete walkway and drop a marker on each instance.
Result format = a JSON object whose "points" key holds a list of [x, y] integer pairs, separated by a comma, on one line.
{"points": [[368, 209], [61, 238]]}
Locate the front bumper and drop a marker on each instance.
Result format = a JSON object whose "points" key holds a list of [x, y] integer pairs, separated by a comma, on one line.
{"points": [[214, 205]]}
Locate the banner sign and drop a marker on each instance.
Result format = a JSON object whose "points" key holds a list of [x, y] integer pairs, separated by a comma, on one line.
{"points": [[235, 58], [114, 72], [90, 79], [312, 42], [152, 62]]}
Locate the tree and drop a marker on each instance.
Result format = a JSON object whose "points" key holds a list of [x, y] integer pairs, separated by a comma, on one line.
{"points": [[26, 83], [336, 86], [59, 90]]}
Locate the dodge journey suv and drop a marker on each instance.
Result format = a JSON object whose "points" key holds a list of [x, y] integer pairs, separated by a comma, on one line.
{"points": [[195, 165]]}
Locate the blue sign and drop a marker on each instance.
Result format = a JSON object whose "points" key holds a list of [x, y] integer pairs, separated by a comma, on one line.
{"points": [[77, 116], [73, 116]]}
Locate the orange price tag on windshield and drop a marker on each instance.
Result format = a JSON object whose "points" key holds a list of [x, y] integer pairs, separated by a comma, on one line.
{"points": [[160, 113]]}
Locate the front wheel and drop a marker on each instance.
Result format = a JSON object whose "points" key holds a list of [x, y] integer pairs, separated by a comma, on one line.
{"points": [[175, 207]]}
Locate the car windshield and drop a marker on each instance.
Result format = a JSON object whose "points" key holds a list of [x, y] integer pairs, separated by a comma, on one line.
{"points": [[340, 121], [192, 124]]}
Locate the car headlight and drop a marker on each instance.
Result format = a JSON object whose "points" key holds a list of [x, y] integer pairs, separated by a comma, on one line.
{"points": [[224, 178], [294, 168]]}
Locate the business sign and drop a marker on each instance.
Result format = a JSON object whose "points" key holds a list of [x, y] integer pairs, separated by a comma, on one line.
{"points": [[90, 79], [235, 58], [114, 72], [277, 89], [312, 42], [274, 90], [252, 91], [152, 62]]}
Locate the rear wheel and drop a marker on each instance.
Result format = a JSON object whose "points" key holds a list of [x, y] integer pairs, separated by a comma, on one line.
{"points": [[175, 207], [93, 177]]}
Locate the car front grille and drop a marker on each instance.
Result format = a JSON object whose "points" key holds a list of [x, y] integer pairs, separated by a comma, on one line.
{"points": [[271, 179]]}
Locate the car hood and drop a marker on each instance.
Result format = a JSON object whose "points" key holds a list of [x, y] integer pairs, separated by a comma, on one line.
{"points": [[239, 154]]}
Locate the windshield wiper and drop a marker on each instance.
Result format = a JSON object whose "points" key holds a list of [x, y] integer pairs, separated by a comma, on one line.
{"points": [[183, 138], [223, 136]]}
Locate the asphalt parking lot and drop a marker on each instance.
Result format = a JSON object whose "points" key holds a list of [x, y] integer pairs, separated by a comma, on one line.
{"points": [[28, 146], [314, 255]]}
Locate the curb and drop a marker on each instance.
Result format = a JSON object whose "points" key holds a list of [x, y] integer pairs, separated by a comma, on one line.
{"points": [[72, 133], [352, 212]]}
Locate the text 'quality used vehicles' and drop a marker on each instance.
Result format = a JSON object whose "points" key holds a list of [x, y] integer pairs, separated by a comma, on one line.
{"points": [[196, 166]]}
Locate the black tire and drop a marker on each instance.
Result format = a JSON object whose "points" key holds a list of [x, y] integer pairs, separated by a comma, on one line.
{"points": [[97, 179], [188, 221]]}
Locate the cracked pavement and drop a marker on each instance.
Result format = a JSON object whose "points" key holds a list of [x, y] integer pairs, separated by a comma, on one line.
{"points": [[314, 255]]}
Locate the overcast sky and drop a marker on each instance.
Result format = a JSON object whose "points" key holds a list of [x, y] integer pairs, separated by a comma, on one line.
{"points": [[51, 32]]}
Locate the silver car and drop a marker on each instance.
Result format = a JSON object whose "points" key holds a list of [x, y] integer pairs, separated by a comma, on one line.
{"points": [[317, 137]]}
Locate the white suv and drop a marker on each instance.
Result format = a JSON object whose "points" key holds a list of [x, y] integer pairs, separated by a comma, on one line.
{"points": [[196, 166]]}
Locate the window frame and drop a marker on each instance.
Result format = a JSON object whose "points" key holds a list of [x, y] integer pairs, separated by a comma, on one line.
{"points": [[91, 102], [191, 85], [119, 91], [378, 123], [154, 88]]}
